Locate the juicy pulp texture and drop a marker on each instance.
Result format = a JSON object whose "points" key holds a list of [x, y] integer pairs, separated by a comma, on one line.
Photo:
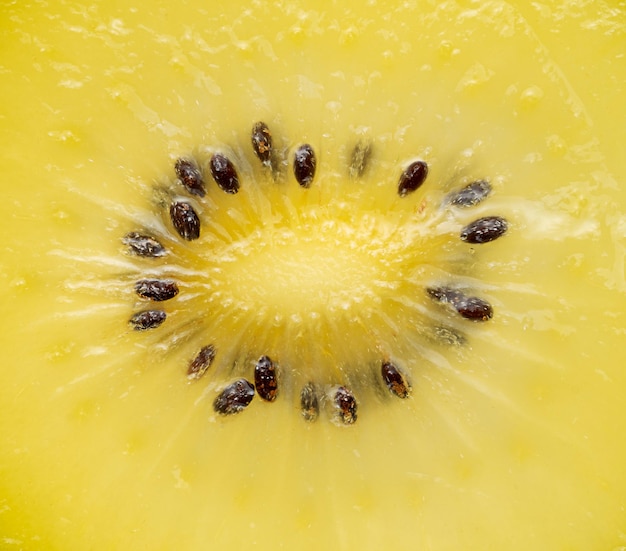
{"points": [[514, 440]]}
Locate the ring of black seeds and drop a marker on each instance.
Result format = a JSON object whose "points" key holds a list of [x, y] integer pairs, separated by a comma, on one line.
{"points": [[237, 396]]}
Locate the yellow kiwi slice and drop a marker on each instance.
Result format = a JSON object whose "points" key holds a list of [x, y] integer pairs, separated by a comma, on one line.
{"points": [[342, 276]]}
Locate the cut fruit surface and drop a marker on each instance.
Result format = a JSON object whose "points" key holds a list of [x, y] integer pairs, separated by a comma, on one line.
{"points": [[340, 277]]}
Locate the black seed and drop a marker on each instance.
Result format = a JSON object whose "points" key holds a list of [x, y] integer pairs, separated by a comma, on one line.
{"points": [[359, 159], [224, 173], [185, 220], [143, 245], [484, 229], [304, 163], [309, 403], [149, 319], [262, 142], [395, 380], [412, 178], [471, 194], [474, 308], [190, 176], [346, 405], [156, 289], [265, 379], [234, 398], [201, 362], [469, 307]]}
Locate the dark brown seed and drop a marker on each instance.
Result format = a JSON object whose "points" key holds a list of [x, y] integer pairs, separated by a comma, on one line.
{"points": [[484, 229], [234, 398], [148, 319], [469, 307], [395, 380], [309, 402], [265, 379], [202, 362], [412, 178], [262, 142], [185, 220], [304, 163], [346, 405], [359, 159], [471, 194], [156, 289], [474, 308], [224, 173], [190, 176], [143, 245]]}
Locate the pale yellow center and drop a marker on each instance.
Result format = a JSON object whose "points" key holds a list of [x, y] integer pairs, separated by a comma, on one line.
{"points": [[298, 255], [291, 273]]}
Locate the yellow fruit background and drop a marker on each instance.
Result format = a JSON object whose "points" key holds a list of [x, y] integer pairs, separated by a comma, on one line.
{"points": [[515, 442]]}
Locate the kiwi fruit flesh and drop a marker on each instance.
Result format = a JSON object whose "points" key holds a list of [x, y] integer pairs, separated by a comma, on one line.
{"points": [[206, 344]]}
